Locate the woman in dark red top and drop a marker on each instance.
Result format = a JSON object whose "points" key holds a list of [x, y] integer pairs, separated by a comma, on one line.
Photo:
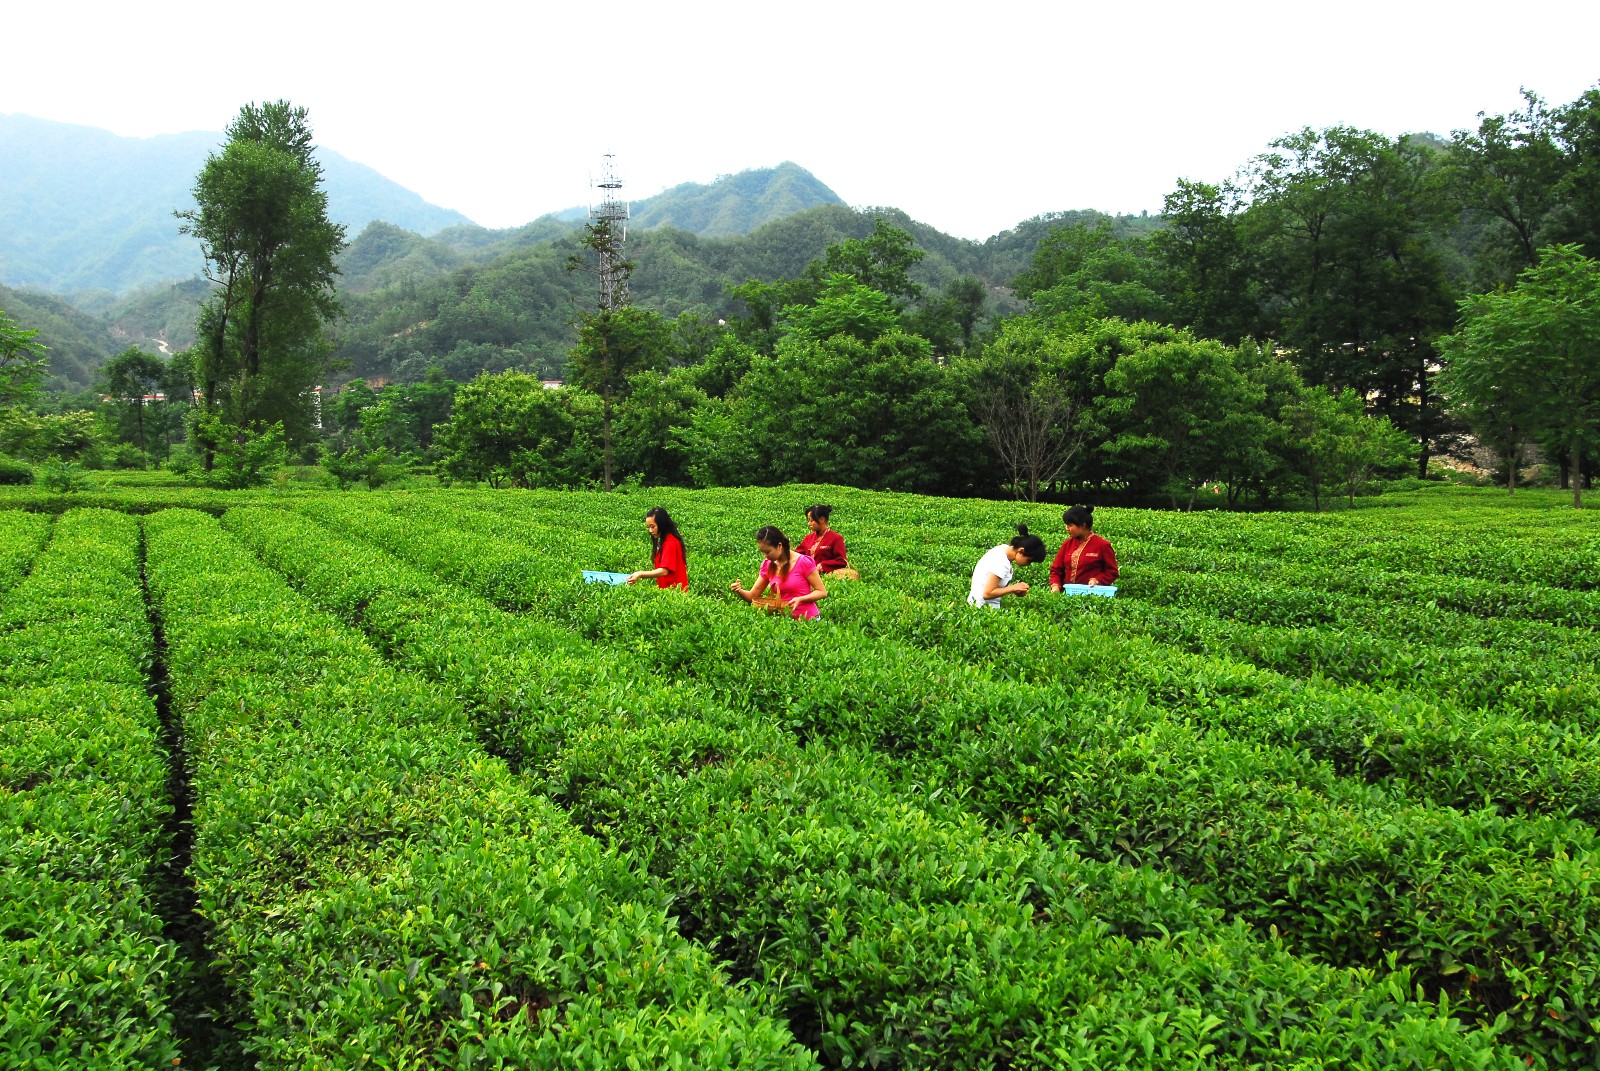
{"points": [[1084, 558], [824, 546], [671, 568]]}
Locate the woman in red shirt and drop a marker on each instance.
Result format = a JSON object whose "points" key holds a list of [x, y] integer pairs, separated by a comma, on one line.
{"points": [[671, 568], [824, 546], [1084, 558]]}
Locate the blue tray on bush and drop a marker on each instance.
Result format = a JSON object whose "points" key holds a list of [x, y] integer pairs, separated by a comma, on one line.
{"points": [[595, 576], [1108, 591]]}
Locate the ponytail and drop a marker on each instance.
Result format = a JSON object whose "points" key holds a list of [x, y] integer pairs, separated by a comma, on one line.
{"points": [[773, 537], [1029, 544]]}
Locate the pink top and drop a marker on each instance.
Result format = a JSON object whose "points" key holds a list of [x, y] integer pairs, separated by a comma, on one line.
{"points": [[794, 584]]}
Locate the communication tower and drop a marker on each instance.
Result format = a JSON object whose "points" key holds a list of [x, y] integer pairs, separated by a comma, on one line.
{"points": [[609, 225]]}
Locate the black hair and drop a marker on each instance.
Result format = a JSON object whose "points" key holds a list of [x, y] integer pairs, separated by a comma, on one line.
{"points": [[665, 526], [1030, 545], [819, 513], [1083, 515], [772, 536]]}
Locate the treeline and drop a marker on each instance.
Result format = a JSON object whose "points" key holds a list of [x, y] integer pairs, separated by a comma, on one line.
{"points": [[1237, 346], [405, 312], [827, 380], [1289, 331]]}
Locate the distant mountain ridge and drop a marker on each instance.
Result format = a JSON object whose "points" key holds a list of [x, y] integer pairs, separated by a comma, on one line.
{"points": [[475, 298], [731, 206], [85, 209], [734, 204]]}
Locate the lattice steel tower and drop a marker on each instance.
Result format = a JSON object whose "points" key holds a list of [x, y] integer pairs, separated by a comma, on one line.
{"points": [[609, 225]]}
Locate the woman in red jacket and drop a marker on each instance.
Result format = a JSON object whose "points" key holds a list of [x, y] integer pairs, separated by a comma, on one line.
{"points": [[1084, 558], [823, 545], [671, 568]]}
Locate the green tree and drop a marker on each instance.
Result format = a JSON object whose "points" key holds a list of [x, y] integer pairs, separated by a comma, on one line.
{"points": [[730, 358], [244, 457], [1339, 444], [22, 361], [1031, 390], [1259, 460], [845, 306], [1578, 217], [880, 414], [355, 465], [882, 261], [345, 407], [507, 429], [71, 436], [1344, 228], [129, 378], [1207, 264], [262, 221], [651, 423], [614, 345], [1508, 173], [1180, 410], [1531, 355], [720, 447], [967, 296], [1090, 269]]}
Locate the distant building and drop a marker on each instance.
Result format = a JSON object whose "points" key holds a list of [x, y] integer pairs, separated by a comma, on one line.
{"points": [[552, 384]]}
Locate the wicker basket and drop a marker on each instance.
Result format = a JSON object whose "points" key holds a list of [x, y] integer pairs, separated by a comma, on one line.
{"points": [[770, 601]]}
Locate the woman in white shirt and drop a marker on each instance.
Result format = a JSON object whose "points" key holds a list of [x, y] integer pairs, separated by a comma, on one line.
{"points": [[991, 579]]}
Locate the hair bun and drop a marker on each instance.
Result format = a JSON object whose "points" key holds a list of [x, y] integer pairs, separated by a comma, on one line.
{"points": [[1022, 529]]}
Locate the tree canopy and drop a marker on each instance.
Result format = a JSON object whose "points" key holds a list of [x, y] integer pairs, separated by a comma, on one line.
{"points": [[1528, 358], [261, 217]]}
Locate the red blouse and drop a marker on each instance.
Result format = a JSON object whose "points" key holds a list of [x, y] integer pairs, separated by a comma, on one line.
{"points": [[670, 557], [827, 550], [1079, 563]]}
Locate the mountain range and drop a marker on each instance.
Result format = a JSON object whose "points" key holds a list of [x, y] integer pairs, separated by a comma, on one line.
{"points": [[84, 209], [91, 255], [729, 207]]}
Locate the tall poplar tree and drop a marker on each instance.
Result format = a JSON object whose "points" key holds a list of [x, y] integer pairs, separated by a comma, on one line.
{"points": [[262, 219]]}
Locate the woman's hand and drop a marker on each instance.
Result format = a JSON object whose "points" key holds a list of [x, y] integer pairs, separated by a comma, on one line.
{"points": [[1093, 583], [1020, 588], [632, 577], [737, 587]]}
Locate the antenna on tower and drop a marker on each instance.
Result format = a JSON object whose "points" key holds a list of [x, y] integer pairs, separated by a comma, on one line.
{"points": [[608, 224]]}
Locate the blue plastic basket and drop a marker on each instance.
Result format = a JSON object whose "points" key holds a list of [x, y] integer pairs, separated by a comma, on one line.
{"points": [[1107, 591], [595, 576]]}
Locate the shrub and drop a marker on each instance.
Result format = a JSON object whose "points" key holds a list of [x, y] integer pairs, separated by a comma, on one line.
{"points": [[14, 472]]}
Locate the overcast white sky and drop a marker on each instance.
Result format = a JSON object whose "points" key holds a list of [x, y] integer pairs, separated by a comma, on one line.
{"points": [[969, 116]]}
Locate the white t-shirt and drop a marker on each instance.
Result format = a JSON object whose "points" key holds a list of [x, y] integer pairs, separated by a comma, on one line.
{"points": [[993, 563]]}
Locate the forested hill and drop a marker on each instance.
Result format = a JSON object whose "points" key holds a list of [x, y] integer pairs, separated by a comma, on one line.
{"points": [[730, 206], [83, 209], [517, 310], [470, 305], [78, 342], [735, 204]]}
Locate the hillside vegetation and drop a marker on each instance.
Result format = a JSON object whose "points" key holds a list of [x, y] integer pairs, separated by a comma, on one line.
{"points": [[516, 311]]}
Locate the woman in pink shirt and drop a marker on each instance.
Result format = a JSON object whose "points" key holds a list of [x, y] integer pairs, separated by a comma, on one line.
{"points": [[794, 576]]}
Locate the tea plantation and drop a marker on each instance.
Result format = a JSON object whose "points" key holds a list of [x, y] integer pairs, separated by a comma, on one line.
{"points": [[321, 780]]}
